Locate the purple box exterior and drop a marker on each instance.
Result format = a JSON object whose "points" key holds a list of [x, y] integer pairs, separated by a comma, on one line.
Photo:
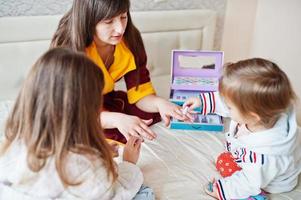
{"points": [[176, 70]]}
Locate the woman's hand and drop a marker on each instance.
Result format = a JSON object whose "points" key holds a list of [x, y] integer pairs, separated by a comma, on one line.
{"points": [[130, 125], [168, 110], [132, 149], [153, 103]]}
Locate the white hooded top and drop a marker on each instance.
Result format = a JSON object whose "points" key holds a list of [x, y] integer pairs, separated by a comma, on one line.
{"points": [[270, 159]]}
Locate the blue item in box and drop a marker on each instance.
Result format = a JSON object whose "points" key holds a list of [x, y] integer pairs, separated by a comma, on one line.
{"points": [[211, 122]]}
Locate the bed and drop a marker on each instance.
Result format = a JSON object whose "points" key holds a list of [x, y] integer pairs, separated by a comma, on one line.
{"points": [[178, 163]]}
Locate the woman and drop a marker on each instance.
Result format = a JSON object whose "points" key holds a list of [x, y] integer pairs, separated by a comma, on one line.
{"points": [[103, 29]]}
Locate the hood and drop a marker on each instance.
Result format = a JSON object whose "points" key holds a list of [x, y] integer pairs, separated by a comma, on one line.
{"points": [[282, 139]]}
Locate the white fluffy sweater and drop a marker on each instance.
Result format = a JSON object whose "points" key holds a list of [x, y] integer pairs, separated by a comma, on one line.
{"points": [[17, 181]]}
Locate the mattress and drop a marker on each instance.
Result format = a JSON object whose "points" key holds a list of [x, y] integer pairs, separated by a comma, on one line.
{"points": [[178, 164]]}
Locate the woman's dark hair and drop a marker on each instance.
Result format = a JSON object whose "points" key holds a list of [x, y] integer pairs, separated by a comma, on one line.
{"points": [[77, 27]]}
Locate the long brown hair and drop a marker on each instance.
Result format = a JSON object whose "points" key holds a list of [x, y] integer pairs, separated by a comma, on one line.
{"points": [[257, 86], [57, 112], [77, 27]]}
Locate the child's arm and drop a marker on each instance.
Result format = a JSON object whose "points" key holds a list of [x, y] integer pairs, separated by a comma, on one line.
{"points": [[130, 177], [209, 102], [95, 184], [244, 183], [94, 177], [214, 99]]}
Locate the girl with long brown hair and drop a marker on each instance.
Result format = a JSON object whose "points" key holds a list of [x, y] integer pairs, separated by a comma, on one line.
{"points": [[103, 29], [54, 146]]}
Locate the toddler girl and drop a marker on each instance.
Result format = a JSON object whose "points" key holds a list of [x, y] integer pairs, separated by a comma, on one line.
{"points": [[263, 151]]}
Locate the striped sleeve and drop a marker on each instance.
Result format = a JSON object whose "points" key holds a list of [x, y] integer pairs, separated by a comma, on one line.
{"points": [[208, 102], [242, 184], [220, 190], [211, 102]]}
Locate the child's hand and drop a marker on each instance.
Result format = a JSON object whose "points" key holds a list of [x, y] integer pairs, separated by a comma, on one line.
{"points": [[211, 189], [188, 107], [132, 149], [188, 114], [192, 103], [114, 148]]}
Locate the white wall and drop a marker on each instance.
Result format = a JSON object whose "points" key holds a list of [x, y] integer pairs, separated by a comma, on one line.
{"points": [[277, 36], [238, 29], [269, 29]]}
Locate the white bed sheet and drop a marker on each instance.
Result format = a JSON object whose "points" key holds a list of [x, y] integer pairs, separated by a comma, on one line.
{"points": [[178, 164]]}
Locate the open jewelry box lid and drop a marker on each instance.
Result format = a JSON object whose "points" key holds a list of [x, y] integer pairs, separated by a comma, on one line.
{"points": [[196, 64]]}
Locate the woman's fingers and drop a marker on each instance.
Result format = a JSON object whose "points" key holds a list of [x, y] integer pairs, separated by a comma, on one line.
{"points": [[178, 114], [142, 130], [190, 117], [134, 133], [131, 125], [147, 121], [166, 120], [141, 133], [178, 110], [147, 132]]}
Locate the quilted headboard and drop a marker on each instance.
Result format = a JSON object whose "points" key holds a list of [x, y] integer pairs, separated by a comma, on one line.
{"points": [[24, 39]]}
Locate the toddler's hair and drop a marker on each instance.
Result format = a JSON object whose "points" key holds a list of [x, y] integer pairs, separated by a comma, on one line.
{"points": [[257, 86], [58, 112]]}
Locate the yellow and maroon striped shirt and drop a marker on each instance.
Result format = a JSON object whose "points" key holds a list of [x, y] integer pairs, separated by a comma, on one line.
{"points": [[123, 66]]}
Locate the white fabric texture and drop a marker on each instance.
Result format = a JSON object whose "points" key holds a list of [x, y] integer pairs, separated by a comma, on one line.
{"points": [[177, 165], [17, 178], [270, 160]]}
